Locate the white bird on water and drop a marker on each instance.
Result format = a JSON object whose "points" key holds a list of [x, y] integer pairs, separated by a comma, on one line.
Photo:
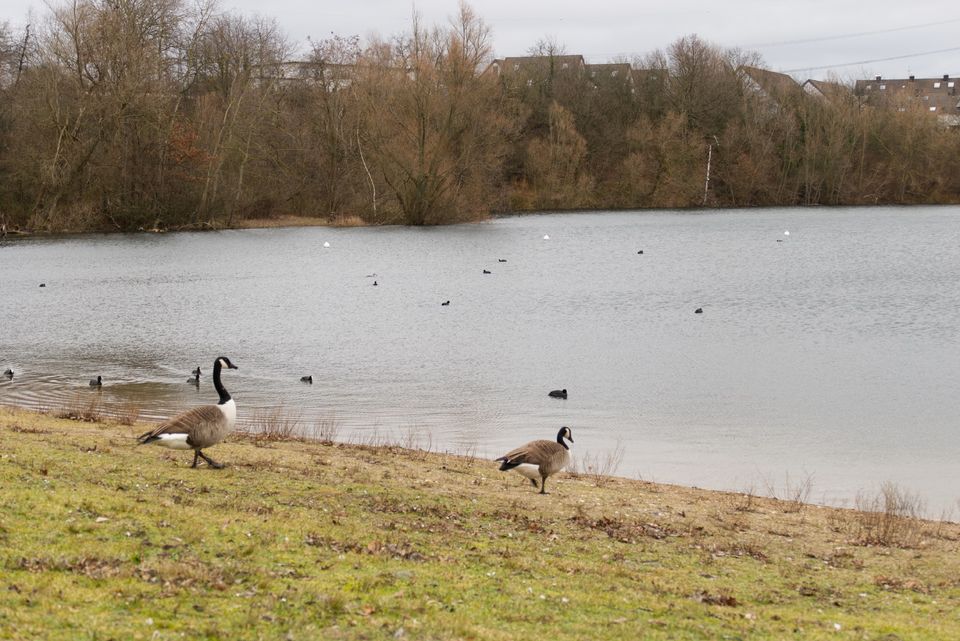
{"points": [[786, 233], [546, 237], [326, 244]]}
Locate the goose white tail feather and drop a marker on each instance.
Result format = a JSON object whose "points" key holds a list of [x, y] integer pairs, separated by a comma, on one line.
{"points": [[173, 441], [529, 470]]}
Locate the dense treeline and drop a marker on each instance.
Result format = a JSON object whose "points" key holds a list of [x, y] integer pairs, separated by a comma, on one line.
{"points": [[127, 114]]}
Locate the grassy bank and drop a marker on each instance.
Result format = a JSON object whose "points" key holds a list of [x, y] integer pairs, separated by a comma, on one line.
{"points": [[100, 539]]}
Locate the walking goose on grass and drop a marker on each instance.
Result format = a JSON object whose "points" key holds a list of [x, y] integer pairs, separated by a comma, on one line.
{"points": [[539, 459], [200, 427]]}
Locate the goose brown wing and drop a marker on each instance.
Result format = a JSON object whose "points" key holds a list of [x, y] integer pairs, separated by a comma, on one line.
{"points": [[534, 452], [193, 422]]}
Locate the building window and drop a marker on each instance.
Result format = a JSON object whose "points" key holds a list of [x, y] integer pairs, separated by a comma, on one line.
{"points": [[936, 85], [933, 108], [950, 85], [565, 65], [882, 87]]}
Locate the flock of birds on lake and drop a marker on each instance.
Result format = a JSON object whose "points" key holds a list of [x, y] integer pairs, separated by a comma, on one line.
{"points": [[204, 426]]}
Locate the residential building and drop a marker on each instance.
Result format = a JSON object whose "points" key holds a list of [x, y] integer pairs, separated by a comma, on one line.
{"points": [[935, 96]]}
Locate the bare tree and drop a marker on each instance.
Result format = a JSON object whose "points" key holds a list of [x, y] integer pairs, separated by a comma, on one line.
{"points": [[434, 127], [242, 64], [555, 164], [702, 83]]}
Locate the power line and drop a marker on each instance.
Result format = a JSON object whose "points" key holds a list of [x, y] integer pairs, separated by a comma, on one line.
{"points": [[867, 62], [844, 36]]}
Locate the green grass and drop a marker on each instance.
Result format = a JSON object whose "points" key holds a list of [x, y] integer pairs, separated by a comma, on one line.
{"points": [[100, 539]]}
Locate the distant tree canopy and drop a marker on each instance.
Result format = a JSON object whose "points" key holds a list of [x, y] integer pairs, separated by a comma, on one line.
{"points": [[130, 114]]}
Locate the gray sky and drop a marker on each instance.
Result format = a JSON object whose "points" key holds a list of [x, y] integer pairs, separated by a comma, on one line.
{"points": [[809, 39]]}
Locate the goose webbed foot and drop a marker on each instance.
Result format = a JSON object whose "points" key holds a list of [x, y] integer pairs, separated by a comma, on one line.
{"points": [[543, 486], [210, 461]]}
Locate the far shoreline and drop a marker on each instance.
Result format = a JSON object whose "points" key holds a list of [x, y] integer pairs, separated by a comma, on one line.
{"points": [[298, 221]]}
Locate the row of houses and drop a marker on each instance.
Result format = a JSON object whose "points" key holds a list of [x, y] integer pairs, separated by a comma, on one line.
{"points": [[935, 96]]}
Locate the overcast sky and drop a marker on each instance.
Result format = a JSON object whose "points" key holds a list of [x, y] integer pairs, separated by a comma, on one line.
{"points": [[806, 38]]}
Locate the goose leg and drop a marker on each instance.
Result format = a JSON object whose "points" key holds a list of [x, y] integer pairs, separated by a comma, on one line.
{"points": [[534, 482], [196, 456], [543, 485], [210, 461]]}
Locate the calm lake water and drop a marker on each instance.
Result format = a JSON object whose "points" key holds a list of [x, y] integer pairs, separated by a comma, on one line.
{"points": [[832, 355]]}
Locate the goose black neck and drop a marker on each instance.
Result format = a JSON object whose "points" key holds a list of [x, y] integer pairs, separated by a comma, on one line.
{"points": [[561, 441], [221, 390]]}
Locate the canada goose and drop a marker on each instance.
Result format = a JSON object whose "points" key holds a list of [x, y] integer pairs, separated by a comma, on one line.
{"points": [[640, 252], [501, 260], [96, 382], [698, 310], [43, 284], [8, 373], [558, 393], [199, 427], [374, 283], [486, 271], [307, 379], [444, 303], [195, 380], [196, 372], [539, 458]]}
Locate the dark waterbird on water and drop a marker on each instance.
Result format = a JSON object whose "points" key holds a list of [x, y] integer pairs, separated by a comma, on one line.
{"points": [[307, 379], [195, 379], [501, 260], [96, 382], [8, 374], [558, 393], [698, 310], [444, 303], [200, 427], [196, 372], [539, 459], [487, 272]]}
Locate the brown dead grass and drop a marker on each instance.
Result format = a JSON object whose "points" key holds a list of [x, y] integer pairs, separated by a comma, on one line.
{"points": [[299, 221]]}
